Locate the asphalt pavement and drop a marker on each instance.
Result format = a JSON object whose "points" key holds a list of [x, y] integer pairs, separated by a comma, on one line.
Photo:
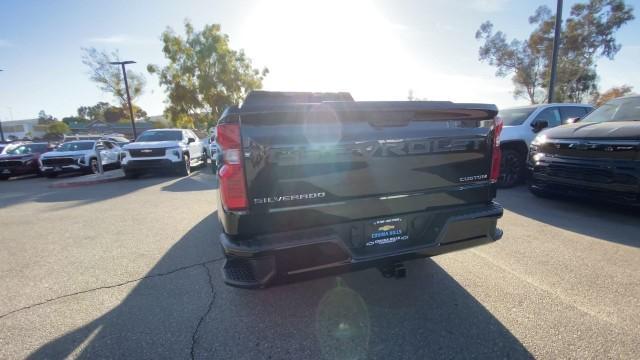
{"points": [[131, 269]]}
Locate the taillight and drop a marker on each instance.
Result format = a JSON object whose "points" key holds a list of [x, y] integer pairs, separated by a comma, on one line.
{"points": [[232, 184], [496, 154]]}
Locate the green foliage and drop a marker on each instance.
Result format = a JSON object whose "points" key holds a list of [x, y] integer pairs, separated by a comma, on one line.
{"points": [[183, 121], [587, 35], [203, 75], [74, 120], [615, 92], [109, 77], [57, 128], [103, 111], [44, 118], [95, 112], [158, 124]]}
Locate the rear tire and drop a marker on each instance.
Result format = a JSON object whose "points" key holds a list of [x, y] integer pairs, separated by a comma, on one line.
{"points": [[4, 177], [511, 168]]}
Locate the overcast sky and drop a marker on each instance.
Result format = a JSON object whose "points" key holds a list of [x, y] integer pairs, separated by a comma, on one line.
{"points": [[375, 49]]}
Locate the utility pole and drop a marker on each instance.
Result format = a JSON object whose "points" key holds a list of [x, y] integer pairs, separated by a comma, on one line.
{"points": [[126, 85], [554, 56], [1, 131]]}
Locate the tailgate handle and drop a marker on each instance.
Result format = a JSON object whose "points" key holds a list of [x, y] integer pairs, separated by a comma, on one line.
{"points": [[379, 123]]}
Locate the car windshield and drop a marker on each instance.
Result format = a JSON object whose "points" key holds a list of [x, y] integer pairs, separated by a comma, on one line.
{"points": [[76, 146], [622, 109], [515, 116], [28, 149], [160, 136]]}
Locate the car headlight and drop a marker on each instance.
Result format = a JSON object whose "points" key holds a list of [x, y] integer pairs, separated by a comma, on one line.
{"points": [[539, 140], [175, 151]]}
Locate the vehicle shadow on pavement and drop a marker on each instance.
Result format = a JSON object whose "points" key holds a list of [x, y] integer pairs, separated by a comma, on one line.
{"points": [[38, 190], [189, 312], [198, 181], [359, 316], [599, 220], [158, 316]]}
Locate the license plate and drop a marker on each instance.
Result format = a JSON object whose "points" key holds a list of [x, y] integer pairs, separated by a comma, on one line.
{"points": [[6, 171], [386, 231]]}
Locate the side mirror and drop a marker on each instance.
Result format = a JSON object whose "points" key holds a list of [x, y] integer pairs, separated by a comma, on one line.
{"points": [[573, 120], [538, 125], [191, 140]]}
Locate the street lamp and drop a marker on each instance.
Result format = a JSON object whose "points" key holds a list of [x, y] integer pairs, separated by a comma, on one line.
{"points": [[554, 56], [126, 85], [1, 131]]}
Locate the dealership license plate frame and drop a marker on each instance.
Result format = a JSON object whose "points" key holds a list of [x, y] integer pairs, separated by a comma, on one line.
{"points": [[386, 231]]}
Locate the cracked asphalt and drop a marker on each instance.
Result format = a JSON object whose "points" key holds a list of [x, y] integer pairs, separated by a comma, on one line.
{"points": [[131, 269]]}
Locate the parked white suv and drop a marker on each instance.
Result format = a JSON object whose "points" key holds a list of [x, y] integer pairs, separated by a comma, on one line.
{"points": [[173, 149], [80, 156], [521, 124]]}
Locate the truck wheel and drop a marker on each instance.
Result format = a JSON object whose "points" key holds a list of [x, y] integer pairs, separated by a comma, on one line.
{"points": [[511, 168], [4, 177], [185, 166], [93, 166]]}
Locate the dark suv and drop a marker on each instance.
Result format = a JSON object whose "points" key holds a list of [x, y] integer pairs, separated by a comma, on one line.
{"points": [[22, 160], [598, 157]]}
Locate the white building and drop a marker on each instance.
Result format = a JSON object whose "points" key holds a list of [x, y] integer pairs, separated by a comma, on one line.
{"points": [[19, 129]]}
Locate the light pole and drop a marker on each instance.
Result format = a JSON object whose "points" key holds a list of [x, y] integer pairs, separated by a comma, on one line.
{"points": [[126, 85], [554, 56], [1, 131]]}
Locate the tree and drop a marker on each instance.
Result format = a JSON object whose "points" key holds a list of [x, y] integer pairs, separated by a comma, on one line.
{"points": [[109, 77], [615, 92], [204, 75], [103, 111], [57, 129], [587, 35], [74, 120], [44, 118], [95, 112]]}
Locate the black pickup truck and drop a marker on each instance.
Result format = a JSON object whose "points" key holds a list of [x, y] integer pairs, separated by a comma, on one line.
{"points": [[310, 187]]}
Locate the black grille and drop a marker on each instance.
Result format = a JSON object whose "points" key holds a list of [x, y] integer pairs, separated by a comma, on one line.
{"points": [[152, 163], [58, 161], [581, 173], [10, 163], [147, 152], [591, 149]]}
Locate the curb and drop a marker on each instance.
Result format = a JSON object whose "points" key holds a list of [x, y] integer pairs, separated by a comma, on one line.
{"points": [[71, 184]]}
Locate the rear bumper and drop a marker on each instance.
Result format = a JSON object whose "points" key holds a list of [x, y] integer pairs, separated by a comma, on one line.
{"points": [[278, 258]]}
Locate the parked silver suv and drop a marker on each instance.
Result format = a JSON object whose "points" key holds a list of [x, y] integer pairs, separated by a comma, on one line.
{"points": [[171, 149], [521, 124]]}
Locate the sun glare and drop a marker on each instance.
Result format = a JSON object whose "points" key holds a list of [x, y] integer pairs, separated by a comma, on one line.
{"points": [[330, 46]]}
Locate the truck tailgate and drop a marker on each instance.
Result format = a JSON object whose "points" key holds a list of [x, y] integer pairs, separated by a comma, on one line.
{"points": [[337, 154]]}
